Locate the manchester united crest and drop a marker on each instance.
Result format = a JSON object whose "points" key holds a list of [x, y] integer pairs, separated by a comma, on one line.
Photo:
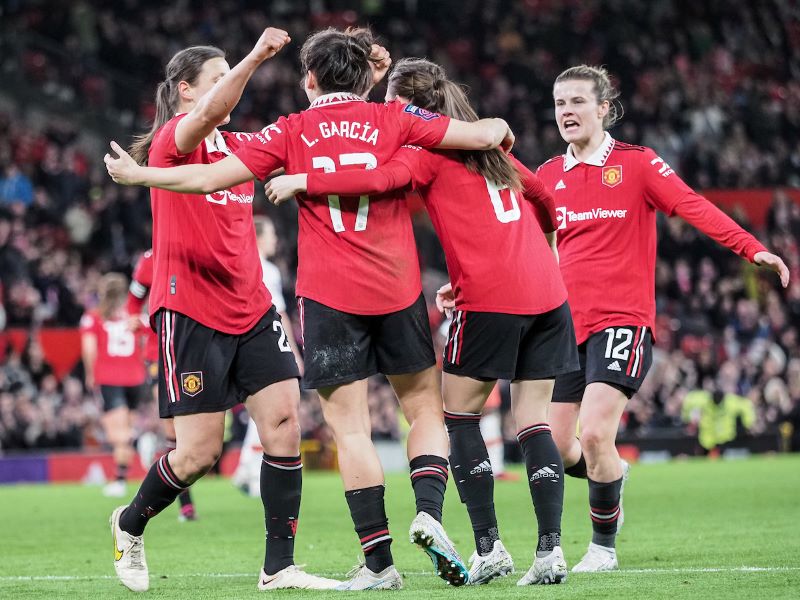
{"points": [[612, 176], [192, 383]]}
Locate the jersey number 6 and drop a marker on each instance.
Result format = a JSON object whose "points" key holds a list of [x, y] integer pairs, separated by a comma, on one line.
{"points": [[354, 158]]}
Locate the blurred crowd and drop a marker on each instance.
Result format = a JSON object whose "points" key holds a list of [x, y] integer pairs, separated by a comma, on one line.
{"points": [[712, 86]]}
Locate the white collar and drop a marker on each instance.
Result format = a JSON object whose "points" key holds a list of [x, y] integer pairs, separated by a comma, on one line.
{"points": [[597, 159], [218, 145], [336, 98]]}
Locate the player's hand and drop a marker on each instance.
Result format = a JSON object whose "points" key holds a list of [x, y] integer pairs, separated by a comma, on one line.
{"points": [[446, 300], [280, 189], [774, 263], [269, 44], [508, 140], [379, 60], [123, 169], [89, 383], [134, 323]]}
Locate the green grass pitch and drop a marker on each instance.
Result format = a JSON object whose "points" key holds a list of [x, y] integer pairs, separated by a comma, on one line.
{"points": [[693, 529]]}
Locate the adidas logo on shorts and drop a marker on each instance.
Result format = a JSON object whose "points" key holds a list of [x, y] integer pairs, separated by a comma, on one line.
{"points": [[544, 473], [484, 467], [614, 366]]}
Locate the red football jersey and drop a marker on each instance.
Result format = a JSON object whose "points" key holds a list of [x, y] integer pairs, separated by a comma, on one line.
{"points": [[119, 350], [606, 209], [206, 262], [496, 252], [355, 254], [140, 286]]}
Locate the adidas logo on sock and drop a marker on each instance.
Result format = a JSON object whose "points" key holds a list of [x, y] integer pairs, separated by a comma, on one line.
{"points": [[544, 473], [484, 467], [560, 185], [614, 366]]}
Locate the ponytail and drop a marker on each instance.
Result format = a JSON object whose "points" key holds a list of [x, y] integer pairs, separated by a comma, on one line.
{"points": [[186, 66], [426, 85]]}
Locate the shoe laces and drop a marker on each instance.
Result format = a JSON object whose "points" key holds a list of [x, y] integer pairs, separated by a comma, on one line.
{"points": [[355, 570], [135, 552]]}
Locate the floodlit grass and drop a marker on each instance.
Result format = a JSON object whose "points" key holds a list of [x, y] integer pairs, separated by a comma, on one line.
{"points": [[693, 529]]}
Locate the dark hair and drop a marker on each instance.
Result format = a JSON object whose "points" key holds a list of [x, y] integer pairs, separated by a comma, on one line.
{"points": [[426, 85], [184, 66], [339, 59], [113, 293], [603, 89], [261, 222]]}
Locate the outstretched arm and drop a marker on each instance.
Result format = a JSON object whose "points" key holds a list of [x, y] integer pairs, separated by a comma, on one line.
{"points": [[393, 175], [189, 179], [709, 219], [484, 134], [217, 104]]}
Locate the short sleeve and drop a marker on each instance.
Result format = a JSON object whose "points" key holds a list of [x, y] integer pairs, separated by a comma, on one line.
{"points": [[421, 164], [265, 150], [419, 127], [88, 323], [163, 150], [662, 186]]}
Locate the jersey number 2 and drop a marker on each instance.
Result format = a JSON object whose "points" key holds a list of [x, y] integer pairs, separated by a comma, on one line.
{"points": [[620, 351], [327, 164]]}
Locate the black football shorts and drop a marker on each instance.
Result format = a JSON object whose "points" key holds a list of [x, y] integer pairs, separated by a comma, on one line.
{"points": [[619, 356], [203, 370], [121, 396], [488, 346], [340, 347]]}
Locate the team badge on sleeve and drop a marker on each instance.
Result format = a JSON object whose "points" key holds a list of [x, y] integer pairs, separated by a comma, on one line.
{"points": [[612, 176], [423, 114], [192, 383]]}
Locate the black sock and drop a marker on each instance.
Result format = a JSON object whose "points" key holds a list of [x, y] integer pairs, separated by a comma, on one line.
{"points": [[122, 472], [545, 473], [158, 490], [604, 511], [185, 497], [577, 470], [369, 518], [429, 480], [473, 475], [281, 484]]}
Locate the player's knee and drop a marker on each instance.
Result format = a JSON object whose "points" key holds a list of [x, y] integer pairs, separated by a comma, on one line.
{"points": [[595, 441], [200, 461]]}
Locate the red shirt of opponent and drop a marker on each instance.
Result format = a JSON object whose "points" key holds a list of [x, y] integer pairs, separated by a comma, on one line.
{"points": [[497, 256], [140, 286], [355, 254], [606, 211], [206, 261], [119, 350]]}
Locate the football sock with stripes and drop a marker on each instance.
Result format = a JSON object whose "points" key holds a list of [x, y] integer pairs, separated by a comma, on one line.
{"points": [[185, 497], [577, 470], [369, 518], [545, 473], [604, 511], [158, 490], [473, 475], [281, 485], [429, 480]]}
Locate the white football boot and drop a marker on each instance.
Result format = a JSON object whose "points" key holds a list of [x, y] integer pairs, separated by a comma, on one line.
{"points": [[361, 578], [293, 577], [546, 569], [597, 558], [427, 533], [115, 489], [498, 563], [129, 561]]}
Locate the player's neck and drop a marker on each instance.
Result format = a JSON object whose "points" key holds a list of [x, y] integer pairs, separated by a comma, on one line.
{"points": [[585, 148]]}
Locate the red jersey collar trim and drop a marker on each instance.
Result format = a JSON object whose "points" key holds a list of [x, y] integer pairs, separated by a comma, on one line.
{"points": [[336, 98], [597, 159]]}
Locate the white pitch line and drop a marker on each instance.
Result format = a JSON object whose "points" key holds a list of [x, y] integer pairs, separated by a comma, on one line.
{"points": [[407, 573]]}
